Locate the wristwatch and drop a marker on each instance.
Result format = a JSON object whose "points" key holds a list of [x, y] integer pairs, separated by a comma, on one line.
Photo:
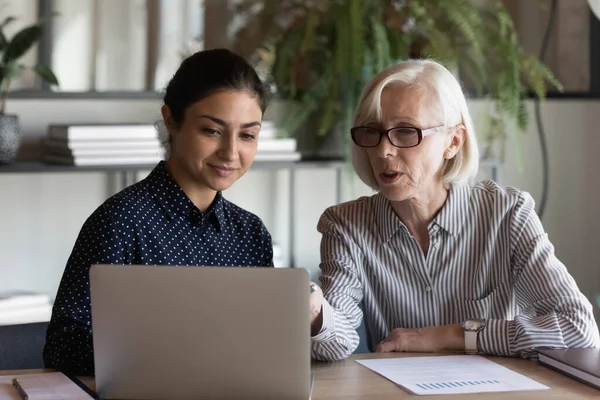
{"points": [[472, 328]]}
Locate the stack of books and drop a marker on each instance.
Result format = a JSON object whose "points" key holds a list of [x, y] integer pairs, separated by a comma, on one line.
{"points": [[84, 145], [24, 307], [272, 148], [138, 144]]}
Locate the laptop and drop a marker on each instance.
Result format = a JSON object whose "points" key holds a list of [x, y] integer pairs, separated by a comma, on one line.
{"points": [[170, 332], [581, 364]]}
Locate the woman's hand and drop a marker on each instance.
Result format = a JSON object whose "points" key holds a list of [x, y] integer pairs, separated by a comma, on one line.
{"points": [[316, 309], [429, 339]]}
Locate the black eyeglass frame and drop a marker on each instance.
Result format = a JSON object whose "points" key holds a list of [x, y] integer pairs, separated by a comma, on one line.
{"points": [[420, 132]]}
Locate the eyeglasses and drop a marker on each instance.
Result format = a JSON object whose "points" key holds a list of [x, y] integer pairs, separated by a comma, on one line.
{"points": [[403, 136]]}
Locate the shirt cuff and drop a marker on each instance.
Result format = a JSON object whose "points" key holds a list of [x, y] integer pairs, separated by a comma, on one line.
{"points": [[495, 337], [328, 328]]}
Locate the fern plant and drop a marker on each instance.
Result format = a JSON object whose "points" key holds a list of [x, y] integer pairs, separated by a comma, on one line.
{"points": [[320, 53]]}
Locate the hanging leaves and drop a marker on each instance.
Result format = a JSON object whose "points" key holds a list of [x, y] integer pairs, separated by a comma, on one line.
{"points": [[329, 49]]}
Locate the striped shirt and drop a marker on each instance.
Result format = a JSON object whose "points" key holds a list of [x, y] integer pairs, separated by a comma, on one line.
{"points": [[489, 257]]}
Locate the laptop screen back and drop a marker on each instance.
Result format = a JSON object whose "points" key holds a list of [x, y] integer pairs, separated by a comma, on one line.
{"points": [[200, 332]]}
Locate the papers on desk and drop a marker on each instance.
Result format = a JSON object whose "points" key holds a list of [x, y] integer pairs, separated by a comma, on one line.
{"points": [[450, 375], [43, 386]]}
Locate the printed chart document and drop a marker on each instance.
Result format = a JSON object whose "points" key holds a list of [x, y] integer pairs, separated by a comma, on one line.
{"points": [[450, 375]]}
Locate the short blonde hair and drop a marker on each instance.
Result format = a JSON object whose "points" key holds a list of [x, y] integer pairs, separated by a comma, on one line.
{"points": [[439, 89]]}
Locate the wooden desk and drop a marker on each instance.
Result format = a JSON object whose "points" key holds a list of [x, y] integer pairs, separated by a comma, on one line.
{"points": [[349, 380]]}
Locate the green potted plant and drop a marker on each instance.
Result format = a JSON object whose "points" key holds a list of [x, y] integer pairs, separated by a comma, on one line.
{"points": [[319, 55], [11, 51]]}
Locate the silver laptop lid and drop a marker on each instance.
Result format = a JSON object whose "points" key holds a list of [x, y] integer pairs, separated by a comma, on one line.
{"points": [[200, 332]]}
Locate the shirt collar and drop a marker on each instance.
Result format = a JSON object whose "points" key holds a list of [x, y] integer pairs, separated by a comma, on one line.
{"points": [[387, 221], [451, 218], [176, 203], [454, 213]]}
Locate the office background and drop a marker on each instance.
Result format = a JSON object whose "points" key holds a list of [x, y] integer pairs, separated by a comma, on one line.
{"points": [[41, 214]]}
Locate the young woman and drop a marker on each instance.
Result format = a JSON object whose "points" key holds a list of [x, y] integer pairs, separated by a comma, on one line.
{"points": [[213, 108]]}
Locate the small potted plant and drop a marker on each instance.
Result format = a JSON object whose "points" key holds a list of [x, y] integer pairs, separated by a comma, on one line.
{"points": [[11, 51]]}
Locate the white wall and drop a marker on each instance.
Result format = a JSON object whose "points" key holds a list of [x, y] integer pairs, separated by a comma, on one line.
{"points": [[41, 214], [72, 33]]}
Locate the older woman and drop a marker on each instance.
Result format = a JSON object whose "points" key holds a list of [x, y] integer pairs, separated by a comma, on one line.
{"points": [[437, 261]]}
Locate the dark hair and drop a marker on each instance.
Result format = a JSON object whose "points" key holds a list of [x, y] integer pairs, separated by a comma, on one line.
{"points": [[206, 72]]}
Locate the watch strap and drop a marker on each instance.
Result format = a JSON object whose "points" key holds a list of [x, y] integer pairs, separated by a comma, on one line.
{"points": [[471, 342]]}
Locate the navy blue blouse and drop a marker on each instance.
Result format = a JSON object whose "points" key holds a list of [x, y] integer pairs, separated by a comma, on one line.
{"points": [[151, 222]]}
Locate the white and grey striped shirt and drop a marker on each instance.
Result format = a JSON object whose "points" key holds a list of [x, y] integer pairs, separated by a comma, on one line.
{"points": [[489, 257]]}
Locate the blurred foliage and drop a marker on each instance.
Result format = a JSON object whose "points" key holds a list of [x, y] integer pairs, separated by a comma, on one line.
{"points": [[319, 54]]}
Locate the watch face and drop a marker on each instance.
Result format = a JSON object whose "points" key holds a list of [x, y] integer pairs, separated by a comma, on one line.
{"points": [[473, 324]]}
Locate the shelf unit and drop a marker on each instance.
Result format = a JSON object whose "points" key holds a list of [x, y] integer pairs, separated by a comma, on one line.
{"points": [[126, 175]]}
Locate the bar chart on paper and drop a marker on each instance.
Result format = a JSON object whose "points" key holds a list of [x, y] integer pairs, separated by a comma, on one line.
{"points": [[450, 375], [457, 384]]}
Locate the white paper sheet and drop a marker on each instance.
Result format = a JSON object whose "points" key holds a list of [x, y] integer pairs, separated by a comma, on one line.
{"points": [[450, 375], [44, 386]]}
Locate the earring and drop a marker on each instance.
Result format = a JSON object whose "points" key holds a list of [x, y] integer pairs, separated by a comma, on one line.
{"points": [[448, 155]]}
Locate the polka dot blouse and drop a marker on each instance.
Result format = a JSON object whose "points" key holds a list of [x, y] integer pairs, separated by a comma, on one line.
{"points": [[151, 222]]}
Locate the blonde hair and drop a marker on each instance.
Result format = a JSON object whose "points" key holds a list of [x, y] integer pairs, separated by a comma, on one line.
{"points": [[441, 91]]}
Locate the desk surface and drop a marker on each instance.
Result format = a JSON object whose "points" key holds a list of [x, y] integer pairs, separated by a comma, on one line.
{"points": [[351, 381]]}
